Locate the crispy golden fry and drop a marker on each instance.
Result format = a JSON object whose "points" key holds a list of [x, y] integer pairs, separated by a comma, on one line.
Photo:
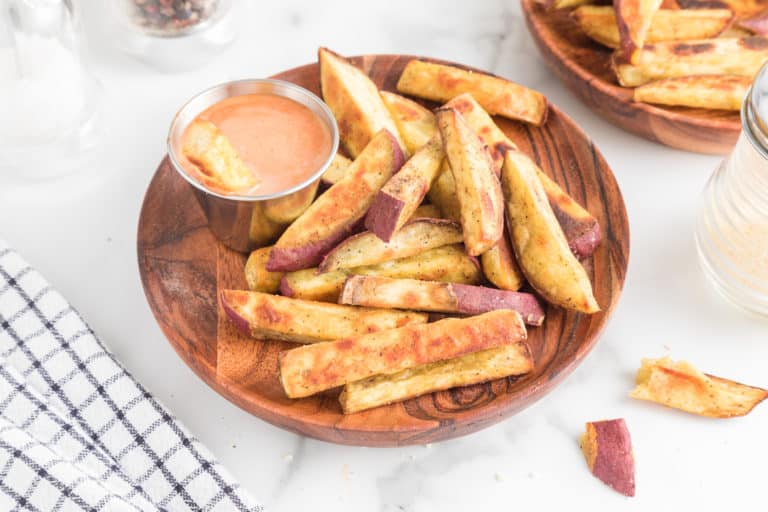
{"points": [[599, 23], [427, 210], [740, 57], [440, 82], [401, 195], [314, 368], [257, 276], [491, 364], [563, 4], [714, 91], [500, 265], [386, 292], [477, 187], [221, 168], [335, 172], [336, 213], [540, 245], [633, 19], [416, 124], [680, 385], [273, 317], [415, 237], [355, 102], [607, 447], [448, 263], [581, 228], [740, 8], [442, 194]]}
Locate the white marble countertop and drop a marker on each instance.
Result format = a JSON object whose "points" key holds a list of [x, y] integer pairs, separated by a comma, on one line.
{"points": [[81, 233]]}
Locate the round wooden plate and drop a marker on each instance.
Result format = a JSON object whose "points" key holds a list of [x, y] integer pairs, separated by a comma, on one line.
{"points": [[183, 268], [584, 66]]}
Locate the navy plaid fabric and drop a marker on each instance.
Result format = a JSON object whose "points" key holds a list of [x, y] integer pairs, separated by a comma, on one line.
{"points": [[77, 431]]}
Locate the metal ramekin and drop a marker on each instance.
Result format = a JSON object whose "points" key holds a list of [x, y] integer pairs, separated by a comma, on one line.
{"points": [[244, 223]]}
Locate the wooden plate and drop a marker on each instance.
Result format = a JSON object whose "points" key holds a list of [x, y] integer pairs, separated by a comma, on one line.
{"points": [[584, 66], [183, 268]]}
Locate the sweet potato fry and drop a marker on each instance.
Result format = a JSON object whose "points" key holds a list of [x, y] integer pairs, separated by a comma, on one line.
{"points": [[402, 194], [723, 92], [266, 316], [581, 228], [599, 23], [257, 276], [500, 265], [757, 24], [221, 168], [412, 294], [427, 210], [337, 212], [540, 245], [416, 124], [310, 369], [741, 8], [477, 187], [366, 248], [355, 102], [335, 172], [448, 263], [740, 57], [440, 82], [442, 194], [563, 4], [607, 447], [491, 364], [633, 18], [680, 385]]}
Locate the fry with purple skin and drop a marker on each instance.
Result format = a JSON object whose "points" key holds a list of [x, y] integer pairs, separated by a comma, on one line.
{"points": [[607, 447]]}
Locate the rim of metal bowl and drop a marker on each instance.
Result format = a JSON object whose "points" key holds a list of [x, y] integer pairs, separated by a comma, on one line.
{"points": [[313, 98]]}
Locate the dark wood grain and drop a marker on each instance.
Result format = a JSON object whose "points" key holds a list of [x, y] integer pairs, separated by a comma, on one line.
{"points": [[584, 66], [183, 268]]}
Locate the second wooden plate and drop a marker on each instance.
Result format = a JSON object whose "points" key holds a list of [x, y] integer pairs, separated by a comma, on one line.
{"points": [[584, 66]]}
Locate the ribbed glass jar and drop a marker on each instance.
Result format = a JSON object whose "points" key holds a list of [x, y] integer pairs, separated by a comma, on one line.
{"points": [[732, 225]]}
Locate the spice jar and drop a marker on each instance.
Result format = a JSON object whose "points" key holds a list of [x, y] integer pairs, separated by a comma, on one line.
{"points": [[732, 225], [174, 34]]}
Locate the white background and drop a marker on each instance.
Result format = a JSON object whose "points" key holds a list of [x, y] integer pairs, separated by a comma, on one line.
{"points": [[81, 233]]}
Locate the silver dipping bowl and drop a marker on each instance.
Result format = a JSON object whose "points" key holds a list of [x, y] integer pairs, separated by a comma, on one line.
{"points": [[245, 223]]}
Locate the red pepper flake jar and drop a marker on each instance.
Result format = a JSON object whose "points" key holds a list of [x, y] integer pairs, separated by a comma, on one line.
{"points": [[732, 225], [175, 34]]}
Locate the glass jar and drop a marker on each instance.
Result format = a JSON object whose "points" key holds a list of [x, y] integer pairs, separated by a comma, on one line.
{"points": [[174, 35], [49, 101], [732, 225]]}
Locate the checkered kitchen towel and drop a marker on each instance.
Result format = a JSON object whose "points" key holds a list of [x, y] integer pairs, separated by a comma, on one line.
{"points": [[77, 432]]}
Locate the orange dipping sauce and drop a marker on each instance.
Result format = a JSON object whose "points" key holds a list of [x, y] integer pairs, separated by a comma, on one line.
{"points": [[281, 141]]}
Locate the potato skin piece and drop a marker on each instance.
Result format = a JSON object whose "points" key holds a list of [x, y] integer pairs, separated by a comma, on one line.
{"points": [[440, 82], [257, 276], [477, 187], [672, 59], [681, 386], [540, 245], [265, 316], [415, 237], [607, 446], [414, 294], [599, 23], [448, 263], [311, 369], [491, 364], [402, 194], [355, 102], [339, 210], [722, 92]]}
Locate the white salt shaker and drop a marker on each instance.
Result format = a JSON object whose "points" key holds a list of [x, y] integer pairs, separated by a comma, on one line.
{"points": [[732, 225], [49, 102]]}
